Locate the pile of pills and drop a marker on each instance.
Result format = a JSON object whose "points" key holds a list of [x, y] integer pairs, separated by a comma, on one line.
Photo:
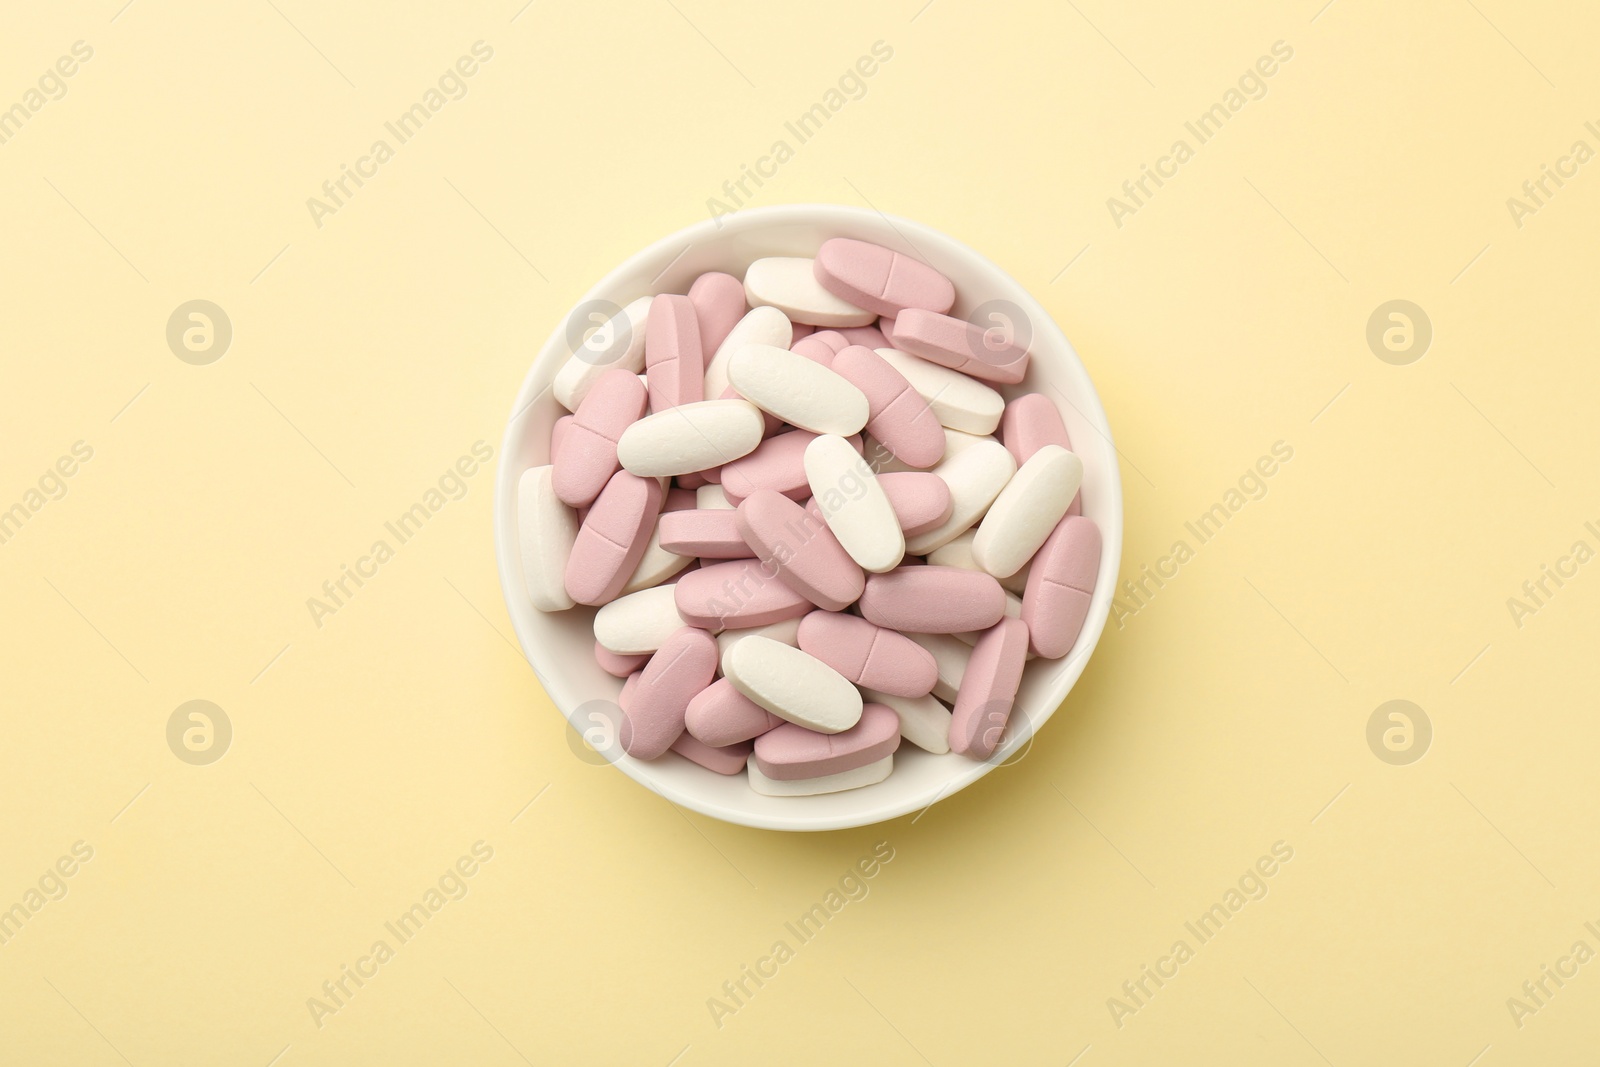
{"points": [[811, 525]]}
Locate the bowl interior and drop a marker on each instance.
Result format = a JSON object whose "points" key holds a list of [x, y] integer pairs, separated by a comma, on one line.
{"points": [[560, 646]]}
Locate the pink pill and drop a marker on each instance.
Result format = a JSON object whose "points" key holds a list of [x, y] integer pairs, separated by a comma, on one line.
{"points": [[674, 360], [691, 481], [801, 549], [819, 347], [625, 697], [677, 671], [792, 753], [705, 532], [589, 446], [897, 415], [1061, 582], [778, 463], [616, 664], [718, 301], [558, 434], [933, 600], [720, 715], [680, 499], [614, 534], [866, 336], [869, 655], [730, 760], [801, 329], [989, 689], [978, 351], [880, 279], [735, 595], [921, 499]]}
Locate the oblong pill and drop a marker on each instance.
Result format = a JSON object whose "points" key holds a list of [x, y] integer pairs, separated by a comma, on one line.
{"points": [[546, 532], [921, 499], [690, 437], [657, 564], [681, 668], [588, 455], [1030, 422], [790, 753], [973, 349], [1061, 583], [760, 326], [819, 347], [959, 402], [1027, 510], [790, 285], [718, 301], [854, 505], [730, 760], [638, 623], [976, 474], [612, 539], [778, 463], [558, 434], [983, 707], [617, 665], [871, 774], [673, 358], [712, 533], [802, 551], [617, 342], [792, 685], [869, 655], [720, 715], [866, 336], [897, 415], [933, 600], [923, 720], [880, 279], [738, 594], [801, 392]]}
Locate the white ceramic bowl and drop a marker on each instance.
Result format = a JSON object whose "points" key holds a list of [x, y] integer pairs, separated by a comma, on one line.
{"points": [[560, 646]]}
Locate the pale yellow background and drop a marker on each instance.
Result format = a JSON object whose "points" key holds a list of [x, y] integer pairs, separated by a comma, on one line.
{"points": [[370, 753]]}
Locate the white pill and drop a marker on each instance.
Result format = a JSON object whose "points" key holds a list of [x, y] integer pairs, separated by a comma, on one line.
{"points": [[950, 656], [800, 391], [792, 685], [639, 622], [712, 498], [617, 342], [958, 553], [975, 475], [871, 774], [760, 326], [854, 505], [791, 286], [923, 720], [656, 565], [546, 529], [787, 631], [690, 437], [958, 402], [1027, 510]]}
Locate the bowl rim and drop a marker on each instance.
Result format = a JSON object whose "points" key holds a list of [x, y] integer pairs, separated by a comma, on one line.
{"points": [[673, 245]]}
